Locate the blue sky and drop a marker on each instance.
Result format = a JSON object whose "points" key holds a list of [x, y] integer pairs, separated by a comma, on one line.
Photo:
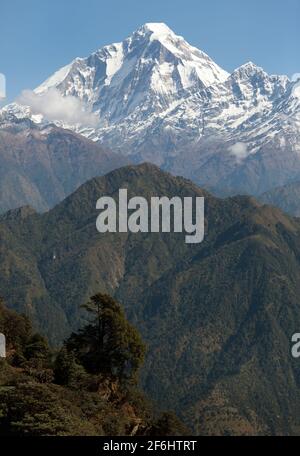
{"points": [[38, 37]]}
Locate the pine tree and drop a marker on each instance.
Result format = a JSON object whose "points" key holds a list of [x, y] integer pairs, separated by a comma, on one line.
{"points": [[67, 371], [109, 344]]}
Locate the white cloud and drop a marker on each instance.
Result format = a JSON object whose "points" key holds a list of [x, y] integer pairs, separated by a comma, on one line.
{"points": [[2, 86], [296, 76], [239, 150], [54, 107], [296, 89]]}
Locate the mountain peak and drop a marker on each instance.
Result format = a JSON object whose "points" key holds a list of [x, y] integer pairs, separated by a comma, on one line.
{"points": [[153, 94], [248, 69], [158, 28], [144, 75], [250, 66]]}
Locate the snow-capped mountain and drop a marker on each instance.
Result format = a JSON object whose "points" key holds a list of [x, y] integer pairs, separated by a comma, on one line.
{"points": [[152, 69], [157, 98]]}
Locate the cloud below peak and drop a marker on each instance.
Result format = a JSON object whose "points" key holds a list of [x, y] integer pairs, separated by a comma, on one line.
{"points": [[54, 107], [239, 150]]}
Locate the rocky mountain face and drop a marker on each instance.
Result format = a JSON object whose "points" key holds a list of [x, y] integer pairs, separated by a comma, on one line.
{"points": [[157, 98], [41, 166], [286, 198], [217, 316]]}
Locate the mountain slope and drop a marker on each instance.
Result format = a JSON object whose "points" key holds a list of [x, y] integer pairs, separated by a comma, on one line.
{"points": [[238, 304], [217, 316], [45, 393], [40, 167], [287, 198], [156, 98]]}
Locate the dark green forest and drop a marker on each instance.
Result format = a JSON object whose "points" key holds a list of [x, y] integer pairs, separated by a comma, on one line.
{"points": [[217, 317], [89, 387]]}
